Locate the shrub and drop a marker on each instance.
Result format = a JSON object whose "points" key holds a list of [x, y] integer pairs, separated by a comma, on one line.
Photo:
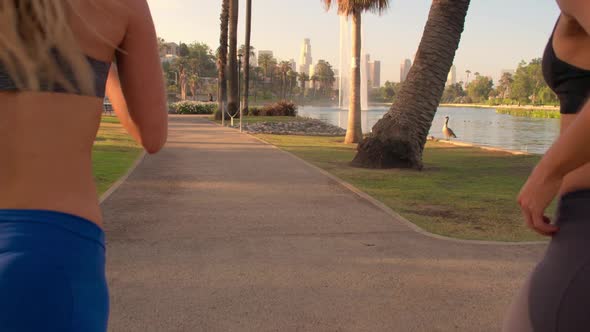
{"points": [[254, 111], [192, 107], [281, 108]]}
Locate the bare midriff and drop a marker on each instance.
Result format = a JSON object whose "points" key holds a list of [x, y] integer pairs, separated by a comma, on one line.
{"points": [[580, 178], [46, 144]]}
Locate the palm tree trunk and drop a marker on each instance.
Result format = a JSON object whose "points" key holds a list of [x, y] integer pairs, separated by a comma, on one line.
{"points": [[232, 104], [247, 55], [398, 139], [354, 132], [222, 59]]}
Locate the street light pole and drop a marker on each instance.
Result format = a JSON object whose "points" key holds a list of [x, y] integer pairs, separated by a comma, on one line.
{"points": [[240, 55]]}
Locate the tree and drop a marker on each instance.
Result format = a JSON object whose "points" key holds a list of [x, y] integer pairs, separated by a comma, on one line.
{"points": [[183, 50], [248, 50], [326, 77], [398, 139], [314, 79], [303, 78], [193, 83], [203, 55], [266, 61], [232, 103], [181, 66], [453, 93], [522, 87], [284, 68], [222, 58], [354, 9], [292, 78], [468, 72], [479, 89], [504, 86]]}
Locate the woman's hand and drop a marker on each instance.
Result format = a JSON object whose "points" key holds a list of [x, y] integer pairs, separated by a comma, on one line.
{"points": [[535, 197]]}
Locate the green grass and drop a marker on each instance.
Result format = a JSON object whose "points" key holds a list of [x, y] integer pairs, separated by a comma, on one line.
{"points": [[532, 113], [258, 119], [113, 153], [463, 192]]}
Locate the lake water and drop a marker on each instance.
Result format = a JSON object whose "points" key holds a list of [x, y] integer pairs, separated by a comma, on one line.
{"points": [[472, 125]]}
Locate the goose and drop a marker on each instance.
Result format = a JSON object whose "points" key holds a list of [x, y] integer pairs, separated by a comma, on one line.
{"points": [[448, 132]]}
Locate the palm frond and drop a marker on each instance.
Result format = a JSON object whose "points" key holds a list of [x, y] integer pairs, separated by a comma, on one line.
{"points": [[349, 7]]}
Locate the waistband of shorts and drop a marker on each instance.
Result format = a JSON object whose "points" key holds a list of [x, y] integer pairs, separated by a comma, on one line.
{"points": [[68, 222]]}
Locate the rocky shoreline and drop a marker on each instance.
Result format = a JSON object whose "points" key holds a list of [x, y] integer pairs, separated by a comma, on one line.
{"points": [[307, 127]]}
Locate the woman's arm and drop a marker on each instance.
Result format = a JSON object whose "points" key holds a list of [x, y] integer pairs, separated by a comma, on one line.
{"points": [[139, 99], [117, 99]]}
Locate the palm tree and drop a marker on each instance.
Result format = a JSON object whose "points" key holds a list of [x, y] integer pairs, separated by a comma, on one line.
{"points": [[292, 76], [222, 58], [247, 52], [284, 68], [232, 104], [354, 9], [303, 78], [193, 83], [265, 61], [468, 72], [314, 79], [398, 139]]}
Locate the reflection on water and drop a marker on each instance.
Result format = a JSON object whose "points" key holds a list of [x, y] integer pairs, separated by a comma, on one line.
{"points": [[472, 125]]}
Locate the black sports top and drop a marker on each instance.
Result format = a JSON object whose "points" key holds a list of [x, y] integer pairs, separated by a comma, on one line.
{"points": [[100, 70], [570, 83]]}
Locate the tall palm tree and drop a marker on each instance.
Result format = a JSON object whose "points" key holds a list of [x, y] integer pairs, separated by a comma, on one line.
{"points": [[354, 9], [247, 53], [265, 61], [193, 83], [232, 103], [284, 68], [303, 78], [314, 79], [398, 139], [468, 72], [222, 58]]}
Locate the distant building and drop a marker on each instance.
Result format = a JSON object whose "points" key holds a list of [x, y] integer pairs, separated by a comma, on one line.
{"points": [[405, 70], [306, 60], [452, 77], [253, 60], [169, 49], [375, 74], [293, 65]]}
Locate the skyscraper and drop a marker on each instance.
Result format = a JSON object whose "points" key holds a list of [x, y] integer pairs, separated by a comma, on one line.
{"points": [[405, 70], [375, 74], [305, 61], [452, 77]]}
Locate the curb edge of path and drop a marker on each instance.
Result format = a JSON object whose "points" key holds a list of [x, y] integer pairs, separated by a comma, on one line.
{"points": [[387, 209], [122, 179]]}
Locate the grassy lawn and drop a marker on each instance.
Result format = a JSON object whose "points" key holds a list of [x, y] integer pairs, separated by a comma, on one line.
{"points": [[258, 119], [464, 192], [114, 152]]}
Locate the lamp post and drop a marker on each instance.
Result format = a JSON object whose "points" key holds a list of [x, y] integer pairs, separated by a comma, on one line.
{"points": [[240, 55]]}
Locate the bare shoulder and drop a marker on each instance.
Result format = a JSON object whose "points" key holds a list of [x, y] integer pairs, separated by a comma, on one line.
{"points": [[577, 13]]}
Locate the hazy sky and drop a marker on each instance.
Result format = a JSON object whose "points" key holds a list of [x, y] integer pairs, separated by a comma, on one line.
{"points": [[498, 33]]}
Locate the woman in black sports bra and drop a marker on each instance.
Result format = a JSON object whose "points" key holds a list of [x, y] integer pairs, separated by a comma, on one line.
{"points": [[556, 296]]}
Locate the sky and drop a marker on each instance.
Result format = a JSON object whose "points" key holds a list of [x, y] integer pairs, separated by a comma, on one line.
{"points": [[498, 33]]}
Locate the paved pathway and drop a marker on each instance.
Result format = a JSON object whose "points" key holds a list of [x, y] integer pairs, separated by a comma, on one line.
{"points": [[220, 232]]}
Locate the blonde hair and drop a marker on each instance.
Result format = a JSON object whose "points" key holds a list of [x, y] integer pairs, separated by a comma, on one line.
{"points": [[34, 36]]}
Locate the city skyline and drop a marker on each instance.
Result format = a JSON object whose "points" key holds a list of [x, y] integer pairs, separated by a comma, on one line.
{"points": [[497, 36]]}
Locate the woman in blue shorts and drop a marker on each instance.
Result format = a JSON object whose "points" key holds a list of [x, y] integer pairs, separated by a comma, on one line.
{"points": [[56, 65]]}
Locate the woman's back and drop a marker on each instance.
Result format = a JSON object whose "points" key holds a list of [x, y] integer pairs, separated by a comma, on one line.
{"points": [[47, 137]]}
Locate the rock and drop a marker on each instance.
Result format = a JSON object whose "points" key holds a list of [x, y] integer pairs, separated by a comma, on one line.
{"points": [[308, 127]]}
